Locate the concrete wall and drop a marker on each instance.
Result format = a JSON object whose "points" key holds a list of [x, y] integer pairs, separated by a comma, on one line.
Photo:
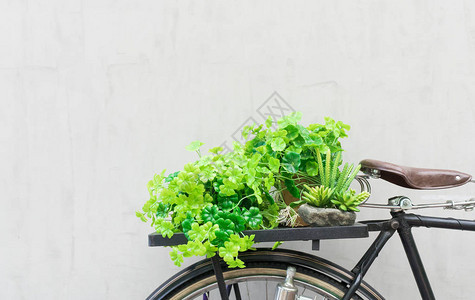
{"points": [[97, 96]]}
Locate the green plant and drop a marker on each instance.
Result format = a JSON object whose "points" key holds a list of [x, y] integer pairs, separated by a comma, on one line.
{"points": [[349, 200], [212, 200], [319, 196], [291, 149], [333, 191], [215, 198]]}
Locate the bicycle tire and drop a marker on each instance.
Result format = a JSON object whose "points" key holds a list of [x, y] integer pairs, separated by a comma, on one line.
{"points": [[313, 272]]}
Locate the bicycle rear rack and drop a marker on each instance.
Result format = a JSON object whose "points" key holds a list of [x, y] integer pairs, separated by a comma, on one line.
{"points": [[314, 234]]}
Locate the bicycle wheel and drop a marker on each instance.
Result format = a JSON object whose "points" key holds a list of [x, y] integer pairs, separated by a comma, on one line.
{"points": [[315, 278]]}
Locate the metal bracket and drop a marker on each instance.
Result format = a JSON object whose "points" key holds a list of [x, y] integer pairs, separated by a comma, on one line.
{"points": [[219, 278], [315, 244]]}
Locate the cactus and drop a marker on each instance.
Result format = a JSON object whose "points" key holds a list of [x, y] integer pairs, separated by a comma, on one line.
{"points": [[333, 190]]}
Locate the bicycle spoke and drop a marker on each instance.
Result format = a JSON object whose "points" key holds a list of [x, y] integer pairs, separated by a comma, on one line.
{"points": [[267, 298], [255, 285], [247, 285]]}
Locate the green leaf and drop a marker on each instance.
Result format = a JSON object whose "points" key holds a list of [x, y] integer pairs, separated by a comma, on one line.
{"points": [[141, 216], [166, 229], [299, 142], [291, 119], [278, 144], [351, 177], [229, 251], [225, 224], [162, 210], [194, 146], [274, 164], [254, 161], [320, 196], [292, 188], [171, 176], [297, 203], [238, 220], [208, 214], [245, 131], [186, 225], [277, 244], [199, 233], [197, 248], [253, 217], [327, 168], [313, 141], [192, 248], [225, 203], [292, 132], [269, 197], [215, 150], [334, 172], [207, 173], [311, 168], [248, 241], [226, 190], [210, 249], [257, 192], [291, 162], [235, 263], [320, 167], [176, 257], [341, 179], [263, 170], [269, 122]]}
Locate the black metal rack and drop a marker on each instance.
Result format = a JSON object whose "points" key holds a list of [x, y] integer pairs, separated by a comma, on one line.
{"points": [[279, 234]]}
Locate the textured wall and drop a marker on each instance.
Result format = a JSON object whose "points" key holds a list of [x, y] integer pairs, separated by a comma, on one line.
{"points": [[97, 95]]}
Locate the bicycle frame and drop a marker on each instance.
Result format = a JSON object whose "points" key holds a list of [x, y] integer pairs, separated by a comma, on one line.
{"points": [[403, 223]]}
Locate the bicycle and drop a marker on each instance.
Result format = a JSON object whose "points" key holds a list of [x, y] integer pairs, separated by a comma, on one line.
{"points": [[315, 277]]}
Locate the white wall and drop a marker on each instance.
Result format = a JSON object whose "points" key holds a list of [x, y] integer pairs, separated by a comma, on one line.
{"points": [[97, 95]]}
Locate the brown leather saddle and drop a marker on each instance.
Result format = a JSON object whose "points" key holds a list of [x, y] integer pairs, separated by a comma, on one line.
{"points": [[414, 178]]}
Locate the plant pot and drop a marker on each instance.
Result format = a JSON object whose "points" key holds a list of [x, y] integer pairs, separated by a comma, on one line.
{"points": [[323, 217], [288, 198]]}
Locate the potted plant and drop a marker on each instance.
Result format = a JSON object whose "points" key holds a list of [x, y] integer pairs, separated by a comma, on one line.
{"points": [[292, 149], [218, 196], [332, 202]]}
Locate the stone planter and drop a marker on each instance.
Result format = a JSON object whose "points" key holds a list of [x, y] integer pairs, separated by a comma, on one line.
{"points": [[323, 217]]}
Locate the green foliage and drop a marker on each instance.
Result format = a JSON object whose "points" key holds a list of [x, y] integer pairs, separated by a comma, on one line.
{"points": [[194, 146], [349, 200], [318, 196], [290, 151], [292, 188], [277, 244], [214, 199], [334, 184]]}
